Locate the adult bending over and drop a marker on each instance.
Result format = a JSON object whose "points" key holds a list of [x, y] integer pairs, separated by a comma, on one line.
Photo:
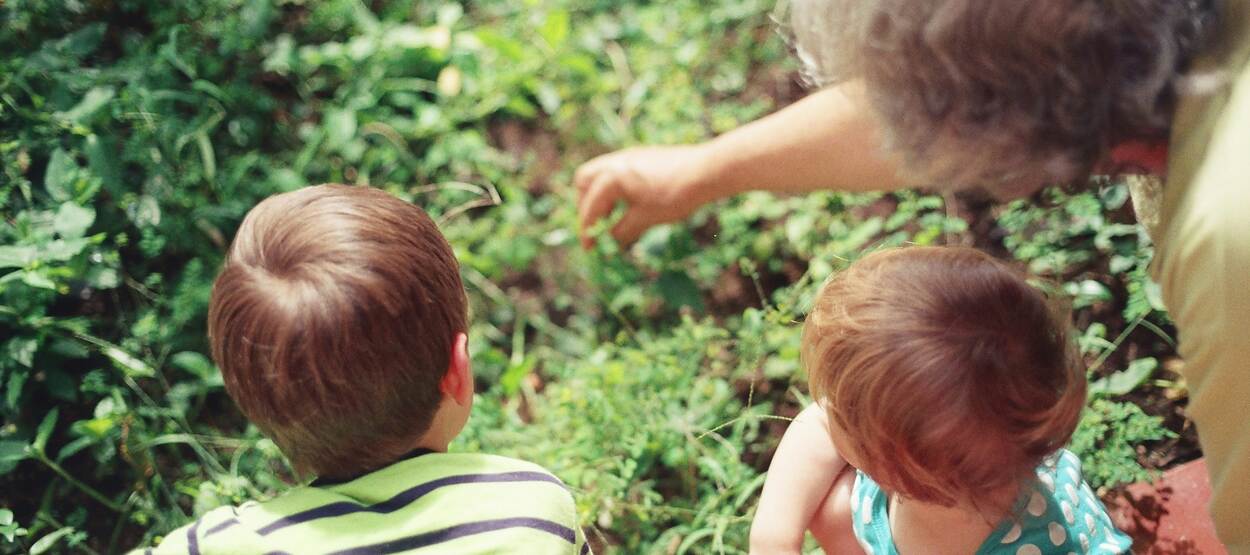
{"points": [[1010, 95]]}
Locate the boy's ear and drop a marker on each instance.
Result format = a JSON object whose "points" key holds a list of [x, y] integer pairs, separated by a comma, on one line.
{"points": [[457, 382]]}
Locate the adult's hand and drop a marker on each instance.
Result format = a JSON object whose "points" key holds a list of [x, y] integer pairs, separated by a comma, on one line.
{"points": [[829, 140], [658, 185]]}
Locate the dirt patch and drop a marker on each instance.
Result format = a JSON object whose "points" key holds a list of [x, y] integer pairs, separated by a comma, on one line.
{"points": [[533, 147]]}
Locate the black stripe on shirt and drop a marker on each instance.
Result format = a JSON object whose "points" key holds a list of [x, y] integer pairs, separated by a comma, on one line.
{"points": [[224, 525], [403, 498], [193, 542], [459, 531]]}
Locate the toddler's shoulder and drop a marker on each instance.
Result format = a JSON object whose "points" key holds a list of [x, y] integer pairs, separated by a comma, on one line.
{"points": [[1060, 513]]}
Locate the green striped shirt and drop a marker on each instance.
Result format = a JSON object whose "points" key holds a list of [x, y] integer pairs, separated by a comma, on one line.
{"points": [[426, 503]]}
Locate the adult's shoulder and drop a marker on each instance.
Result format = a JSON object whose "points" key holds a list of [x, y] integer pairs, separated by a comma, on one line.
{"points": [[1203, 244], [1203, 214], [1211, 126]]}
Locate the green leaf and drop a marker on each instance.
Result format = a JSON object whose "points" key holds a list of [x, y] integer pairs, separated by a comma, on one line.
{"points": [[449, 14], [103, 278], [11, 453], [1126, 380], [515, 374], [1114, 196], [75, 446], [1154, 294], [1087, 293], [23, 350], [91, 103], [208, 156], [195, 363], [84, 41], [45, 431], [413, 37], [38, 280], [16, 256], [9, 528], [13, 390], [95, 428], [679, 289], [548, 97], [72, 220], [62, 250], [340, 127], [505, 46], [555, 30], [145, 211], [58, 180], [1120, 264], [102, 159], [47, 542], [127, 363], [366, 22], [60, 384]]}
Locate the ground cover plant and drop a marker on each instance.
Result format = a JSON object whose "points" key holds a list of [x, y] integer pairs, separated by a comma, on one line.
{"points": [[655, 380]]}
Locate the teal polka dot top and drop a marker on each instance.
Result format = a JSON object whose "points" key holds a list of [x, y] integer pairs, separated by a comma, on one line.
{"points": [[1058, 514]]}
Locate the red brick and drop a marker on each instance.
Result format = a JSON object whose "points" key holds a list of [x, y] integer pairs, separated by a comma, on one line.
{"points": [[1169, 517]]}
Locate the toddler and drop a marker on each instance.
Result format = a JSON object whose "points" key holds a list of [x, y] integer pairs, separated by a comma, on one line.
{"points": [[945, 388]]}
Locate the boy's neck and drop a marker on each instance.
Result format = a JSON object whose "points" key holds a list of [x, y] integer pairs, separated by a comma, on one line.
{"points": [[448, 421]]}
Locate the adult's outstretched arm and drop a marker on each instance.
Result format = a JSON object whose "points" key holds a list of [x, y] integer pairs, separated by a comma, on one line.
{"points": [[828, 140]]}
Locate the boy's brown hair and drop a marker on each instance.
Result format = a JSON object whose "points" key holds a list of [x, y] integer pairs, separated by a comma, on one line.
{"points": [[951, 374], [333, 321]]}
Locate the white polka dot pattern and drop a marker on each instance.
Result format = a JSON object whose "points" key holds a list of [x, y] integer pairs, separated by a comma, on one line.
{"points": [[1037, 504], [1058, 534], [1047, 480], [1012, 535], [1029, 549], [1058, 514]]}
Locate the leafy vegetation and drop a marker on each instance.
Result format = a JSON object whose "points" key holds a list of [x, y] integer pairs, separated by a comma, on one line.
{"points": [[136, 134]]}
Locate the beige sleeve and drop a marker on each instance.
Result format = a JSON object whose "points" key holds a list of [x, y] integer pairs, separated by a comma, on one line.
{"points": [[1205, 275]]}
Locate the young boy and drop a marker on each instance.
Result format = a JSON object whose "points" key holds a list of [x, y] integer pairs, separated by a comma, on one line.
{"points": [[339, 325]]}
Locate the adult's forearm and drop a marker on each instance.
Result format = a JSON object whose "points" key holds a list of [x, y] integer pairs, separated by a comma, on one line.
{"points": [[828, 140]]}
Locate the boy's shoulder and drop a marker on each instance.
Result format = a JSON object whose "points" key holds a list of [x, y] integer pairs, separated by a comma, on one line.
{"points": [[480, 501], [486, 461], [216, 531], [440, 474]]}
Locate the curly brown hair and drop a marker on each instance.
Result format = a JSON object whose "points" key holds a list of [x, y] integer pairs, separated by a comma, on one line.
{"points": [[1007, 94]]}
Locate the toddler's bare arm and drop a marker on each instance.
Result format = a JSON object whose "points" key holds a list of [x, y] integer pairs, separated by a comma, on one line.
{"points": [[799, 480]]}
